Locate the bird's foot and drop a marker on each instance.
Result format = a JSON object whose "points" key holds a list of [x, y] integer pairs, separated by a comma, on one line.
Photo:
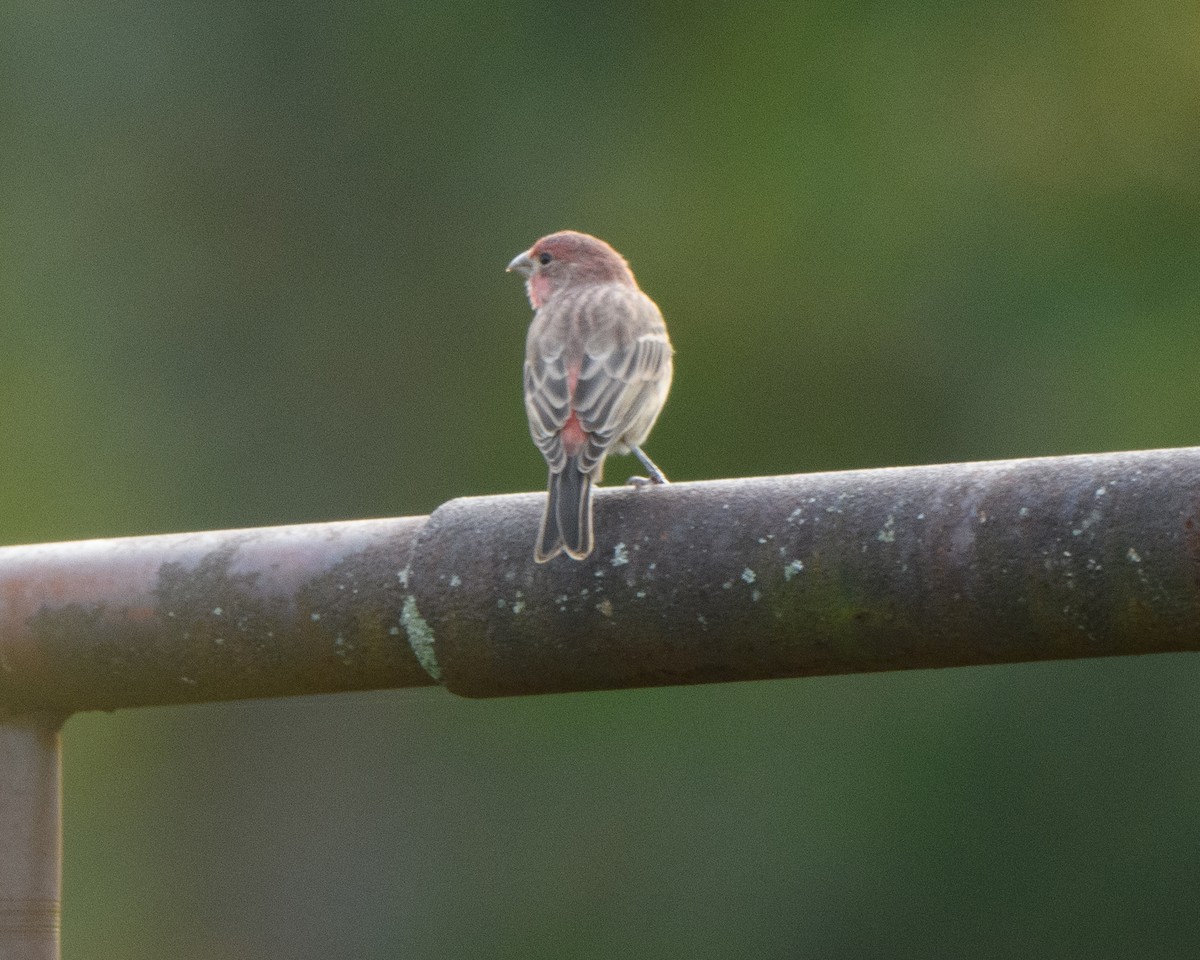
{"points": [[656, 475], [640, 482]]}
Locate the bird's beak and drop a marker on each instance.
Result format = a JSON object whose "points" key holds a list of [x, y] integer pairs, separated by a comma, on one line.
{"points": [[521, 263]]}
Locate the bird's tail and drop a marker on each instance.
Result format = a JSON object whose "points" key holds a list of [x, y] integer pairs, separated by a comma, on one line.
{"points": [[567, 522]]}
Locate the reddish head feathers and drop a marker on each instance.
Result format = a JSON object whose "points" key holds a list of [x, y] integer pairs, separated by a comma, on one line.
{"points": [[569, 258]]}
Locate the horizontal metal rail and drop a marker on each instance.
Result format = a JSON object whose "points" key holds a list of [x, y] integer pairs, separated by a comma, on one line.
{"points": [[691, 583], [741, 579]]}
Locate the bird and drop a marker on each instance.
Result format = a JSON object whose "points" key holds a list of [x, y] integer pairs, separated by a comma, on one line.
{"points": [[598, 367]]}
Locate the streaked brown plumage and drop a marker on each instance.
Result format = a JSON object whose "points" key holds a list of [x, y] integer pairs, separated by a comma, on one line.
{"points": [[597, 372]]}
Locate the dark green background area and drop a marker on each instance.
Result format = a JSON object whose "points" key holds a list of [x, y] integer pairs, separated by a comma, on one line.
{"points": [[251, 272]]}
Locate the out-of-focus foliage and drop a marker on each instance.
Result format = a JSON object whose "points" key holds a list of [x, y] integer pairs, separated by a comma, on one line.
{"points": [[251, 272]]}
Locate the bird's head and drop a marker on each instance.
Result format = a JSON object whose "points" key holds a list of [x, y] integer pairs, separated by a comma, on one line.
{"points": [[567, 259]]}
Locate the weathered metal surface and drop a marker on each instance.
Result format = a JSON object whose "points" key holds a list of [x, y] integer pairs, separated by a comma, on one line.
{"points": [[30, 836], [691, 583], [827, 573], [187, 618], [730, 580]]}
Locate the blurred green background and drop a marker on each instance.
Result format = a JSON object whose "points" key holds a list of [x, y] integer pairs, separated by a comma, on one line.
{"points": [[251, 272]]}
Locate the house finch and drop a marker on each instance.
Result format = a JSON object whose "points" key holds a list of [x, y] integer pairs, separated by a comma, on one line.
{"points": [[597, 372]]}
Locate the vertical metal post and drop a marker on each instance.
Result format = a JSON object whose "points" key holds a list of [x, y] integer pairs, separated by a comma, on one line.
{"points": [[30, 836]]}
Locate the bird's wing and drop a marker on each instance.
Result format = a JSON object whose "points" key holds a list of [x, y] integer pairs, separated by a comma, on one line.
{"points": [[625, 372], [547, 397], [616, 339]]}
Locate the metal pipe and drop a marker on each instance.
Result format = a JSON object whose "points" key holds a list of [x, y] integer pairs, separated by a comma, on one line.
{"points": [[940, 566], [188, 618], [691, 583], [30, 836]]}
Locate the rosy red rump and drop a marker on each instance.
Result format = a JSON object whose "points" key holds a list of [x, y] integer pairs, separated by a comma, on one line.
{"points": [[573, 436]]}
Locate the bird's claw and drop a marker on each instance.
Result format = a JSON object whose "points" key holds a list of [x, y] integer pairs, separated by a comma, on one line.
{"points": [[640, 482]]}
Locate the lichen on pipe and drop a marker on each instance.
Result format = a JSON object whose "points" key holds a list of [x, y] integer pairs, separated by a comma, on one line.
{"points": [[747, 579]]}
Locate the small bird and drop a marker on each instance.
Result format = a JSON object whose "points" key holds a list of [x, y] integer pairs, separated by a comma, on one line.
{"points": [[597, 372]]}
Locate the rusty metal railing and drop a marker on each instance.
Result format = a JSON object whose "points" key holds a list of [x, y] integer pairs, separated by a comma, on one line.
{"points": [[955, 565]]}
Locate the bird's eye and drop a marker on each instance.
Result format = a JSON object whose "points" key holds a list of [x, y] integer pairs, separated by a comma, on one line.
{"points": [[544, 258]]}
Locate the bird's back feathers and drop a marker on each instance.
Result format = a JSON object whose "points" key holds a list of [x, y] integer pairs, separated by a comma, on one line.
{"points": [[601, 351]]}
